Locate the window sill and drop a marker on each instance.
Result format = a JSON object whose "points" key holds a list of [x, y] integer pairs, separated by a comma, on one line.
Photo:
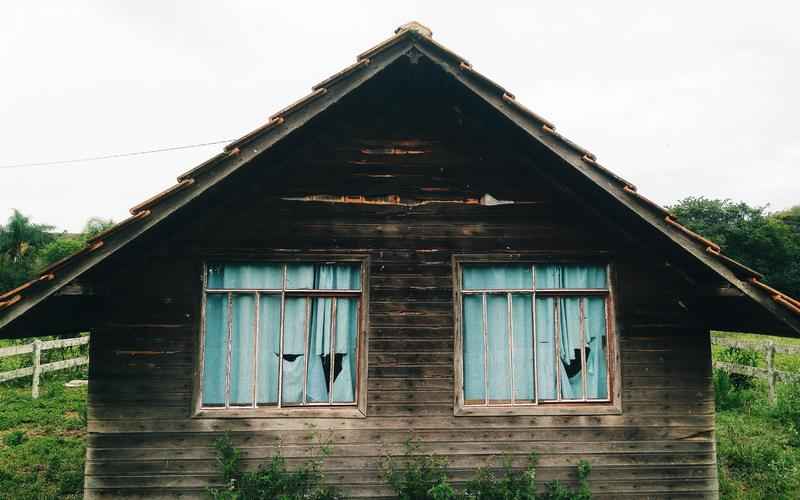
{"points": [[541, 410], [297, 412]]}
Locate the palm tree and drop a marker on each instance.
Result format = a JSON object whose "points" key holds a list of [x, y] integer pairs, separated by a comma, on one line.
{"points": [[19, 237], [19, 241]]}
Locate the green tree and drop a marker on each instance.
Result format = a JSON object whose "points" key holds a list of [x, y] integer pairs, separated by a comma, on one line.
{"points": [[59, 248], [26, 248], [790, 216], [764, 241], [20, 238], [20, 241], [67, 244], [95, 226]]}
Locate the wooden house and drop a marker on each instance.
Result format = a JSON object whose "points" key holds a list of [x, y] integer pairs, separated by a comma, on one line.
{"points": [[408, 251]]}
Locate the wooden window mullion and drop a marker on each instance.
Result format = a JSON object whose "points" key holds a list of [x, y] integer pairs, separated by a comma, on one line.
{"points": [[332, 358], [280, 341], [229, 341], [584, 375], [256, 350], [307, 350], [485, 350]]}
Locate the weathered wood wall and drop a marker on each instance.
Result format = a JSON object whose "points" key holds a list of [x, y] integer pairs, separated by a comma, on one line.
{"points": [[143, 441]]}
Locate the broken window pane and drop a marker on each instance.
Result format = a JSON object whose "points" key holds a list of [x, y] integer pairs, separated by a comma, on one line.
{"points": [[293, 366]]}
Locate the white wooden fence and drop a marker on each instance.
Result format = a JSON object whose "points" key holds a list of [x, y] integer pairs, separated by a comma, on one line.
{"points": [[36, 348], [769, 373]]}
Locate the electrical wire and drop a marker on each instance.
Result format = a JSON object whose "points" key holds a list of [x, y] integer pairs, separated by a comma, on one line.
{"points": [[114, 155]]}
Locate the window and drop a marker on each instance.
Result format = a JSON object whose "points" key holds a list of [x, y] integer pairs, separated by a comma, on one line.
{"points": [[534, 334], [280, 335]]}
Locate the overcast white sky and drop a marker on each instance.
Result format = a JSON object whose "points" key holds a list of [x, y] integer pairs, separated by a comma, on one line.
{"points": [[682, 98]]}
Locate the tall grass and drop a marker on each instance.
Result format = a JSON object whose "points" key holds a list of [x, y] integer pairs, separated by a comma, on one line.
{"points": [[758, 445], [42, 441]]}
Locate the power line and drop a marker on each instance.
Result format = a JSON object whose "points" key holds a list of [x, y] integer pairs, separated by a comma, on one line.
{"points": [[115, 155]]}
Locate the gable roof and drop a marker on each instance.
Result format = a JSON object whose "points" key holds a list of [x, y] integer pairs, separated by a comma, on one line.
{"points": [[412, 36]]}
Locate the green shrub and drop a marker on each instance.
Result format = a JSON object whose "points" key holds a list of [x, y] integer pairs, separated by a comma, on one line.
{"points": [[739, 356], [418, 476], [557, 491], [510, 484], [726, 394], [787, 407], [273, 481], [15, 438]]}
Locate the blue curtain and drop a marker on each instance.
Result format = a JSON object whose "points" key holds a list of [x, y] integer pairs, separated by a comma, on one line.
{"points": [[482, 277], [474, 381], [495, 349], [323, 277], [563, 337], [320, 334], [596, 363], [570, 276], [245, 276], [524, 389], [344, 382], [294, 331], [498, 345], [243, 316], [546, 347], [319, 338], [215, 349], [570, 348], [307, 335], [269, 349]]}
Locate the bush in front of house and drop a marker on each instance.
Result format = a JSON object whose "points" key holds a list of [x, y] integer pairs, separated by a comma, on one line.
{"points": [[272, 480], [421, 476], [413, 476]]}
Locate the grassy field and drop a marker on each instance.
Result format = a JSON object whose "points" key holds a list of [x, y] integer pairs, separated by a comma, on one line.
{"points": [[758, 445], [42, 442]]}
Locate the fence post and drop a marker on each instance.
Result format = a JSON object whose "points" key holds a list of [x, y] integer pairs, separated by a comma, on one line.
{"points": [[771, 375], [37, 367]]}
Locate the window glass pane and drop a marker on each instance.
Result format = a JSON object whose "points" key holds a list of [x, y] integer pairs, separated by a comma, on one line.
{"points": [[501, 277], [347, 277], [215, 349], [319, 338], [570, 348], [545, 346], [596, 369], [269, 349], [245, 276], [243, 325], [294, 331], [522, 321], [300, 276], [345, 369], [498, 362], [570, 276], [474, 382], [323, 277]]}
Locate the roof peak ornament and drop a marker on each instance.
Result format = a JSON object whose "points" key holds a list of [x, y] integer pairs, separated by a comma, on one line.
{"points": [[415, 26]]}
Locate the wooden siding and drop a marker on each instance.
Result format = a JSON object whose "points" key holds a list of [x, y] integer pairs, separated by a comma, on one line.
{"points": [[144, 442], [142, 438]]}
